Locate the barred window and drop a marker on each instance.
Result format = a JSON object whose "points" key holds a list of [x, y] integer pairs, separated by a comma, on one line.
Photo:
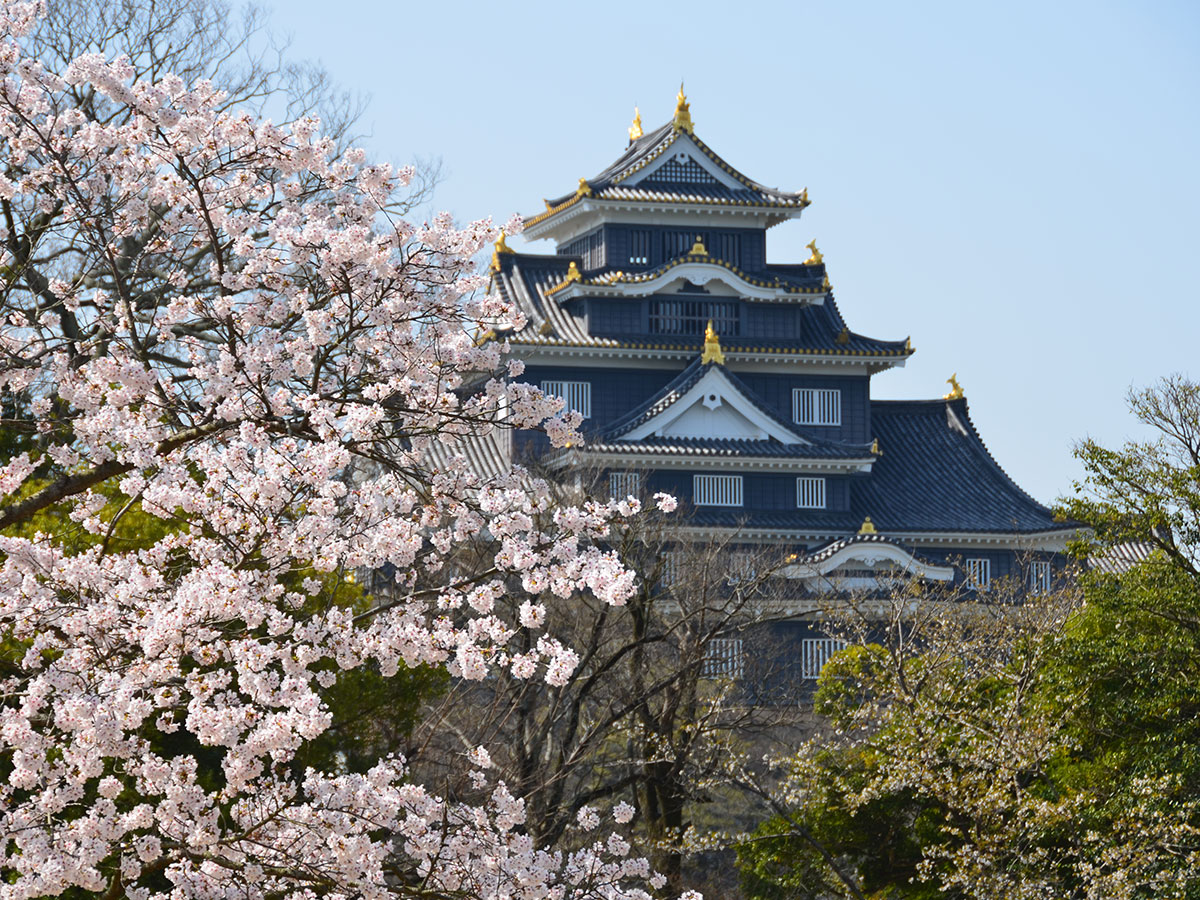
{"points": [[576, 395], [728, 248], [623, 484], [815, 652], [669, 573], [1039, 576], [742, 566], [677, 243], [723, 659], [590, 247], [817, 406], [639, 247], [717, 490], [979, 574], [691, 317], [810, 493]]}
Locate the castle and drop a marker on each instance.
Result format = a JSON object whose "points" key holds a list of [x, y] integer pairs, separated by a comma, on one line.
{"points": [[735, 384]]}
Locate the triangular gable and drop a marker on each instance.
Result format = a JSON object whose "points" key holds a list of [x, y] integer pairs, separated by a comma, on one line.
{"points": [[714, 407], [683, 162], [864, 564]]}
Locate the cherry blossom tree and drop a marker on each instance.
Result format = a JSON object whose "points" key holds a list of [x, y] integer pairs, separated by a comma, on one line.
{"points": [[265, 371]]}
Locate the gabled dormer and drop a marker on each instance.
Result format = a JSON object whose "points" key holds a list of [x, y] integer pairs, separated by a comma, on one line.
{"points": [[666, 178]]}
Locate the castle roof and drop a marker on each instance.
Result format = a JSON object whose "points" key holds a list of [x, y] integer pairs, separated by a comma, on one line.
{"points": [[647, 172], [532, 282]]}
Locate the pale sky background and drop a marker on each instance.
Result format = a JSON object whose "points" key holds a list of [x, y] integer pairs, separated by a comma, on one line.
{"points": [[1015, 185]]}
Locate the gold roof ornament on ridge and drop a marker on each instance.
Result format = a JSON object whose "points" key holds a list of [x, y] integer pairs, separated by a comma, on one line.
{"points": [[635, 130], [817, 255], [698, 249], [712, 347], [584, 189], [956, 391], [875, 447], [683, 113], [843, 337], [573, 273], [501, 247], [868, 527]]}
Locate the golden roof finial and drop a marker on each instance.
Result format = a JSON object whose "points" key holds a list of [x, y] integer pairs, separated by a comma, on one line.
{"points": [[635, 130], [817, 255], [875, 448], [572, 273], [683, 114], [908, 344], [956, 391], [868, 527], [501, 247], [843, 337], [699, 250], [584, 189], [804, 197], [712, 347], [825, 285]]}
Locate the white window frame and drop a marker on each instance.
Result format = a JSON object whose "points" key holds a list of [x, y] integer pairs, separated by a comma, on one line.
{"points": [[576, 395], [1039, 576], [817, 406], [723, 658], [815, 653], [624, 484], [717, 490], [979, 574], [810, 492], [672, 563]]}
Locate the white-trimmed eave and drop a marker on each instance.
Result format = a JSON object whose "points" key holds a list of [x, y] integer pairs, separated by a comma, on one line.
{"points": [[579, 217], [714, 389], [634, 460], [764, 360], [694, 271]]}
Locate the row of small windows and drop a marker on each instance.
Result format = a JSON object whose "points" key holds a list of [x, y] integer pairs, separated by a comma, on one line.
{"points": [[726, 490], [723, 657], [979, 575]]}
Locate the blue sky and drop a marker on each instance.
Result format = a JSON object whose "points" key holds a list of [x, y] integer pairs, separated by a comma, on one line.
{"points": [[1014, 185]]}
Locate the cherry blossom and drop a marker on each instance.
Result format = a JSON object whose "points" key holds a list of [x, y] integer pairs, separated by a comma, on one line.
{"points": [[290, 411]]}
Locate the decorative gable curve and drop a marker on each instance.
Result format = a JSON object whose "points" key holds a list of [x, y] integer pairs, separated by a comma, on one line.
{"points": [[698, 272], [714, 407]]}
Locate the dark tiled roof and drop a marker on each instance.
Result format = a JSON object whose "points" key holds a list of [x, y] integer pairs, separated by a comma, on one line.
{"points": [[937, 475], [528, 279], [820, 554], [722, 447], [608, 185], [488, 455]]}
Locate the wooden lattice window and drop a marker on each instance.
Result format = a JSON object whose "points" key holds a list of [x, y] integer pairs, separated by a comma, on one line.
{"points": [[691, 316], [979, 574], [810, 492], [576, 395], [623, 484], [817, 406], [815, 652], [717, 490], [1039, 576]]}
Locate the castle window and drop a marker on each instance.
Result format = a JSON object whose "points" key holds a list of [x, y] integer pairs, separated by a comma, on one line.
{"points": [[691, 317], [589, 247], [623, 484], [576, 395], [639, 247], [717, 490], [817, 406], [723, 659], [1039, 576], [677, 243], [728, 248], [810, 493], [668, 575], [979, 574], [815, 652]]}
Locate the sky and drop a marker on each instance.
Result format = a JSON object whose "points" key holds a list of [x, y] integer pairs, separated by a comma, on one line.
{"points": [[1014, 185]]}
